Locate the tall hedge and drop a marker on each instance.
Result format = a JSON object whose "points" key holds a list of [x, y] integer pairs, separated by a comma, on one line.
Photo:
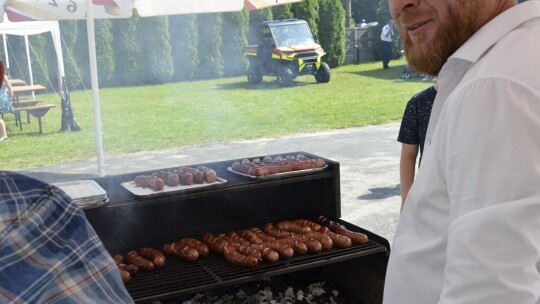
{"points": [[104, 52], [127, 55], [209, 47], [255, 18], [332, 31], [183, 31], [308, 10], [155, 45], [234, 32], [69, 31], [282, 12]]}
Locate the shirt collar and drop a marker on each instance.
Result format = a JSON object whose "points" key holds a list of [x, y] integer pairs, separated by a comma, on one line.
{"points": [[495, 29]]}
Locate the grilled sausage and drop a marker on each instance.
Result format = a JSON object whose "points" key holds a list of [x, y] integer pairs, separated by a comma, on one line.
{"points": [[357, 238], [157, 257], [201, 248], [183, 251], [268, 253], [299, 247], [148, 181], [339, 240], [314, 226], [312, 244], [126, 276], [132, 269], [263, 236], [118, 259], [293, 226], [198, 176], [236, 258], [275, 232], [169, 178], [210, 175], [134, 258], [326, 242], [185, 178], [237, 238], [251, 236], [285, 251]]}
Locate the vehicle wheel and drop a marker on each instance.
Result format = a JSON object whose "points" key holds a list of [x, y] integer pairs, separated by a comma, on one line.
{"points": [[323, 73], [254, 74], [285, 76]]}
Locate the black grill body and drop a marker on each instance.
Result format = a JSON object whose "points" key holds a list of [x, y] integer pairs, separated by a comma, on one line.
{"points": [[129, 222]]}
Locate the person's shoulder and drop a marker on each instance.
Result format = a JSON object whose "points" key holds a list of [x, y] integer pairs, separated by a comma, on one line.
{"points": [[14, 186]]}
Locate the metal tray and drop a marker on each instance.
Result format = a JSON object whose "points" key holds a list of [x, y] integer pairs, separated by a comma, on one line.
{"points": [[140, 191], [277, 175]]}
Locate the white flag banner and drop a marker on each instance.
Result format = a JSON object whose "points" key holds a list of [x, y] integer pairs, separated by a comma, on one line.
{"points": [[147, 8], [258, 4]]}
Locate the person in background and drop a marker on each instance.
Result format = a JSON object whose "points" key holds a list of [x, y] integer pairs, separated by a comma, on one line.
{"points": [[49, 253], [412, 135], [387, 35], [470, 229], [5, 101]]}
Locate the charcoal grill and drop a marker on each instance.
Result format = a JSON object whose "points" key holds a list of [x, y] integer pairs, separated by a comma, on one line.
{"points": [[129, 222]]}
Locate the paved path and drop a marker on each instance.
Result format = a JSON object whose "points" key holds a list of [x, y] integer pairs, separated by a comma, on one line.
{"points": [[368, 157]]}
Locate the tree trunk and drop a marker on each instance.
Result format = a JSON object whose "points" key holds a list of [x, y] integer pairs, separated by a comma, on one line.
{"points": [[348, 15]]}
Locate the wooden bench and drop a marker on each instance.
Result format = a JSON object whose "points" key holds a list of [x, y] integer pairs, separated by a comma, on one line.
{"points": [[27, 103], [36, 111]]}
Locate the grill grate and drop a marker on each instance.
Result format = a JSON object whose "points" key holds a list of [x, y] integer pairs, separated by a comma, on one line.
{"points": [[179, 277]]}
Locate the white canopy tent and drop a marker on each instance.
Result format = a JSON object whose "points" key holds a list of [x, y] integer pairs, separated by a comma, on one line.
{"points": [[29, 28], [25, 10]]}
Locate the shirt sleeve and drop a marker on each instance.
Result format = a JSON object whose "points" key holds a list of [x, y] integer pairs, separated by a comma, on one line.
{"points": [[493, 178], [49, 253], [409, 129]]}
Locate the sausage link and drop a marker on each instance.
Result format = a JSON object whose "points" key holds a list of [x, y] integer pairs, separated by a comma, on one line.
{"points": [[203, 250], [357, 238], [236, 258], [148, 181], [325, 240], [183, 251], [154, 255], [134, 258], [210, 175], [339, 240], [293, 226]]}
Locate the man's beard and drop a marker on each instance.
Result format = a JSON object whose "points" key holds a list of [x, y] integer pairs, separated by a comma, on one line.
{"points": [[428, 58]]}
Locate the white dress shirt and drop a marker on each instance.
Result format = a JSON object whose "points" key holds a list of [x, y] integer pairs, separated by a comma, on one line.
{"points": [[470, 228], [387, 33]]}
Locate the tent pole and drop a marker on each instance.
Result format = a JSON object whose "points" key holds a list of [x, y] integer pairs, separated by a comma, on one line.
{"points": [[95, 88], [6, 53], [29, 64]]}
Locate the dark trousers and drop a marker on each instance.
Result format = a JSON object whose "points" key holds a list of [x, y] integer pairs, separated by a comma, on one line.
{"points": [[386, 53]]}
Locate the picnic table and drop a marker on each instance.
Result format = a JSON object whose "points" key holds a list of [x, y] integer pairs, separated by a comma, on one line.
{"points": [[30, 106]]}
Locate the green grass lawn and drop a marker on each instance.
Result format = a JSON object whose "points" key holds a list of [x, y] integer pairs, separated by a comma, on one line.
{"points": [[176, 114]]}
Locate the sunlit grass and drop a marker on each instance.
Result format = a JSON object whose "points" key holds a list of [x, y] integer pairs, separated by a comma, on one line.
{"points": [[176, 114]]}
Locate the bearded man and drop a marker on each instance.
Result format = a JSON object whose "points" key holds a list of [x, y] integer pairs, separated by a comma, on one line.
{"points": [[470, 228]]}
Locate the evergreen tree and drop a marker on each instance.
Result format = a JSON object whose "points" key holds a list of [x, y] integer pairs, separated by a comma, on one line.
{"points": [[332, 31], [184, 32], [38, 58], [365, 10], [155, 45], [104, 52], [210, 41], [282, 12], [255, 18], [81, 53], [234, 33], [18, 66], [127, 55], [69, 31], [308, 10]]}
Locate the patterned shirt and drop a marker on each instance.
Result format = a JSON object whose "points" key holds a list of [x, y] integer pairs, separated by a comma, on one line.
{"points": [[416, 118], [49, 253]]}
